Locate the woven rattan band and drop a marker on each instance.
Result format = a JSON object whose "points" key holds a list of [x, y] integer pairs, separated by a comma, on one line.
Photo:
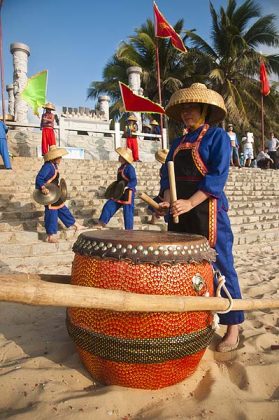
{"points": [[142, 350]]}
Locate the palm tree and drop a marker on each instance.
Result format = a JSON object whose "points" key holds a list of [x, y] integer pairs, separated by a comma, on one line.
{"points": [[140, 51], [231, 63]]}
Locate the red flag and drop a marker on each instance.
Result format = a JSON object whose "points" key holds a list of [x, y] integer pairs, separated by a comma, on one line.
{"points": [[136, 103], [264, 80], [164, 30]]}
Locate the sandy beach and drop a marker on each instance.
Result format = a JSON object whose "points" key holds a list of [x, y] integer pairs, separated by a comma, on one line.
{"points": [[42, 376]]}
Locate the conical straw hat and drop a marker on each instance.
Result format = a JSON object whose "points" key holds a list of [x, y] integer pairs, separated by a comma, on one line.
{"points": [[49, 105], [161, 155], [125, 153], [197, 93], [54, 153], [131, 118], [154, 122]]}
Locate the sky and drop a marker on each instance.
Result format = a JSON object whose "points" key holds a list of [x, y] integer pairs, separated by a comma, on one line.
{"points": [[74, 40]]}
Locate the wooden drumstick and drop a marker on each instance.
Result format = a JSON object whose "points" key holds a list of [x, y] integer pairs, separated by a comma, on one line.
{"points": [[149, 200], [173, 195]]}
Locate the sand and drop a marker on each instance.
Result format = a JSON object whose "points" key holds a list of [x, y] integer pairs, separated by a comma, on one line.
{"points": [[42, 376]]}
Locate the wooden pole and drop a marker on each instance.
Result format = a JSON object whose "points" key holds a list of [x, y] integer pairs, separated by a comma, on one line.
{"points": [[158, 77], [31, 291], [149, 200], [173, 195], [262, 121]]}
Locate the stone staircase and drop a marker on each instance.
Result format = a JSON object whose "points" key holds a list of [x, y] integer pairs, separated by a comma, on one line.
{"points": [[253, 196]]}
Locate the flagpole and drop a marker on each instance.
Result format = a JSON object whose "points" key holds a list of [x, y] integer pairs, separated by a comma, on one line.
{"points": [[262, 120], [158, 77], [2, 64]]}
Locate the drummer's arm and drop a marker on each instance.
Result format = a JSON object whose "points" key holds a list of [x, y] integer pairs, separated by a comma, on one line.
{"points": [[183, 206]]}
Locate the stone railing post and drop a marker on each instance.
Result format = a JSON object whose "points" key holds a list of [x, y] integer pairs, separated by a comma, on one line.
{"points": [[117, 135], [20, 53], [165, 142], [104, 106], [134, 74], [11, 99]]}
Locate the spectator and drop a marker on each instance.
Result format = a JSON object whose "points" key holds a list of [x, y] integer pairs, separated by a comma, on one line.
{"points": [[132, 141], [47, 127], [241, 159], [156, 129], [273, 146], [264, 161], [235, 146], [248, 151]]}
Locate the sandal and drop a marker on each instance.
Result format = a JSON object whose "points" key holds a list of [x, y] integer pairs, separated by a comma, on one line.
{"points": [[225, 347]]}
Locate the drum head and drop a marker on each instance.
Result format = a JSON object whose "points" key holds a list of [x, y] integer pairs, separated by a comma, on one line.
{"points": [[115, 190], [63, 189], [50, 198], [142, 246]]}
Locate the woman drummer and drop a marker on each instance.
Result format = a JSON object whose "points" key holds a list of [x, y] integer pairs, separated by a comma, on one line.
{"points": [[49, 173], [201, 161]]}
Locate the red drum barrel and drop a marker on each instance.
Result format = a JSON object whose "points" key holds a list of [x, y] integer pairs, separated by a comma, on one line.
{"points": [[139, 349]]}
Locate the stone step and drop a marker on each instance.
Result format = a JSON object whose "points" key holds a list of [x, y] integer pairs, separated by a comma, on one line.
{"points": [[32, 212], [256, 227], [35, 249], [256, 218], [259, 247], [59, 263], [256, 237]]}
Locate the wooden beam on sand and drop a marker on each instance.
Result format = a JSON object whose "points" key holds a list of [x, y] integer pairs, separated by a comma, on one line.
{"points": [[31, 290]]}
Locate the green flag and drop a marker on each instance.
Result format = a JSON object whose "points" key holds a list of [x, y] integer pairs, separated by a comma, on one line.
{"points": [[35, 91]]}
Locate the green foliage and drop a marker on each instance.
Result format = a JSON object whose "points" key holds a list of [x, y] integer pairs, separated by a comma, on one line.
{"points": [[229, 64]]}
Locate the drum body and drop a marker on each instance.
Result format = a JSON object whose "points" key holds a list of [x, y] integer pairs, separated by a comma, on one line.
{"points": [[138, 349]]}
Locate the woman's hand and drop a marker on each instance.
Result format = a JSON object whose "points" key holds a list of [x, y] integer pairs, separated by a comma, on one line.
{"points": [[44, 190], [180, 206], [163, 210]]}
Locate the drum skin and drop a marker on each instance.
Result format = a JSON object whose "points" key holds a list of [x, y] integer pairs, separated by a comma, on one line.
{"points": [[137, 349]]}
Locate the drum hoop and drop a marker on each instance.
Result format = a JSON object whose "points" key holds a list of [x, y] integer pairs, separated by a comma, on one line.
{"points": [[155, 254]]}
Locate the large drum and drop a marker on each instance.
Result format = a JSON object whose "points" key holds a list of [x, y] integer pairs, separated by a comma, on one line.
{"points": [[135, 349]]}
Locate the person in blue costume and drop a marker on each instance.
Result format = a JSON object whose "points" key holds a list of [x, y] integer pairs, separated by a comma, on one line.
{"points": [[4, 153], [49, 173], [126, 172], [160, 156], [156, 129], [201, 162]]}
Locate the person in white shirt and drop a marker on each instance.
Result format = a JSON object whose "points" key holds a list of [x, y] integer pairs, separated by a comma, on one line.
{"points": [[248, 151], [273, 146], [263, 159]]}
